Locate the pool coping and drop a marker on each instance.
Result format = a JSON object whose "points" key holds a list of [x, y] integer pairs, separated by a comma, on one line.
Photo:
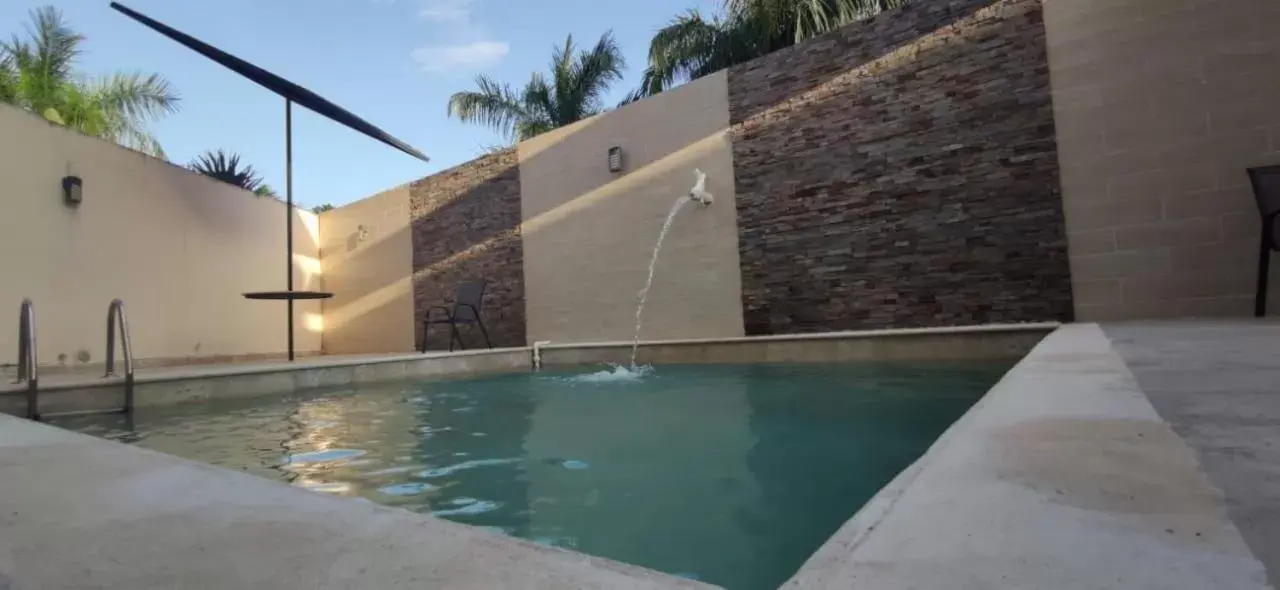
{"points": [[79, 393], [168, 373], [1062, 476], [841, 335], [79, 511]]}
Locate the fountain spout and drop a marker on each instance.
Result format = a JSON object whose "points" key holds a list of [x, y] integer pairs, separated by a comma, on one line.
{"points": [[698, 193]]}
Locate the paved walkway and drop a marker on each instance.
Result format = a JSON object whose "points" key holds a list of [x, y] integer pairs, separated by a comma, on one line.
{"points": [[1218, 384], [80, 512]]}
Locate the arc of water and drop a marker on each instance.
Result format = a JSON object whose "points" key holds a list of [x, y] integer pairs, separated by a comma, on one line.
{"points": [[653, 264], [698, 194]]}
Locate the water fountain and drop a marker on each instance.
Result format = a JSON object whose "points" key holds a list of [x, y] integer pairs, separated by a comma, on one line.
{"points": [[697, 194]]}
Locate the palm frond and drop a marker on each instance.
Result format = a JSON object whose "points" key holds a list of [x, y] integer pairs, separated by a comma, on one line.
{"points": [[561, 87], [226, 167], [688, 46], [593, 73], [50, 49], [37, 74], [493, 105], [573, 90], [539, 100], [8, 79], [637, 93], [138, 96]]}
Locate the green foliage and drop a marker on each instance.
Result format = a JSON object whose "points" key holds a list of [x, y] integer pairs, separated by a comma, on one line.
{"points": [[691, 46], [37, 73], [318, 209], [573, 91], [226, 167]]}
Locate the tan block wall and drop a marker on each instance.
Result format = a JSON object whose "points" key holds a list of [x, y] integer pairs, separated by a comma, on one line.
{"points": [[177, 247], [589, 233], [366, 253], [1161, 105]]}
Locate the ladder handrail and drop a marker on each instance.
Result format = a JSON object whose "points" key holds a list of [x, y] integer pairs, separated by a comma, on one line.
{"points": [[27, 366], [116, 316]]}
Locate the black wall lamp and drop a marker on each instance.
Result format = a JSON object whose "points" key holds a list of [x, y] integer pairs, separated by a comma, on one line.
{"points": [[72, 191], [615, 159]]}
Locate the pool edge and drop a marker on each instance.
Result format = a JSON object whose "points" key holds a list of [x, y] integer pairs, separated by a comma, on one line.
{"points": [[194, 383], [139, 519], [975, 512]]}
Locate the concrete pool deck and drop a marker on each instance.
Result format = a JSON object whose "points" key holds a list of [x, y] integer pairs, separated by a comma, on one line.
{"points": [[1218, 384], [79, 512], [1063, 476]]}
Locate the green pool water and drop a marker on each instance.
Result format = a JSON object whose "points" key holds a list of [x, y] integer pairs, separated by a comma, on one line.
{"points": [[733, 475]]}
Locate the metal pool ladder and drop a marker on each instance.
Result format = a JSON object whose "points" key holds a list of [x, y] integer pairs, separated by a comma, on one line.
{"points": [[27, 368], [115, 316]]}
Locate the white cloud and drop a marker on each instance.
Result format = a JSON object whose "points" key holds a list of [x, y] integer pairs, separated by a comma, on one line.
{"points": [[446, 11], [474, 55]]}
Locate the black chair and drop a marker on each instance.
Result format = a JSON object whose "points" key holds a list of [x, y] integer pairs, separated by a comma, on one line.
{"points": [[466, 310], [1266, 190]]}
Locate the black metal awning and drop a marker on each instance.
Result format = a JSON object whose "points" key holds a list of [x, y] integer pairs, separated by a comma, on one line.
{"points": [[288, 90]]}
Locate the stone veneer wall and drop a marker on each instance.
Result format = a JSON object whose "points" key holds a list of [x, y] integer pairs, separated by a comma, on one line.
{"points": [[901, 172], [466, 225]]}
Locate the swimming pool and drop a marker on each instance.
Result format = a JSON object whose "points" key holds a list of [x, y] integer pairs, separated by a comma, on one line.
{"points": [[732, 474]]}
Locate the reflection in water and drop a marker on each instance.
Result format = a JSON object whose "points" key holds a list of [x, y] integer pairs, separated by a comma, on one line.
{"points": [[728, 474]]}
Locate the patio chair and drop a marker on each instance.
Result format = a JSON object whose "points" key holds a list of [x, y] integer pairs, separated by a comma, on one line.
{"points": [[466, 310], [1266, 190]]}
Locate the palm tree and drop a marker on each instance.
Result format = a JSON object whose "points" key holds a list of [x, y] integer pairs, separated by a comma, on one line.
{"points": [[691, 46], [226, 167], [574, 92], [37, 74]]}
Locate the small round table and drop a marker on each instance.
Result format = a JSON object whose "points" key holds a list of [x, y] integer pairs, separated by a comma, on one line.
{"points": [[288, 295]]}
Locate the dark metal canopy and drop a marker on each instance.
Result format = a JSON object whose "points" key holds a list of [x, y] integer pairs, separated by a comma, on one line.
{"points": [[274, 83]]}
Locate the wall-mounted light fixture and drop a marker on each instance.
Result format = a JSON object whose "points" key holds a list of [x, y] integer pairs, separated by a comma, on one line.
{"points": [[72, 192], [615, 159]]}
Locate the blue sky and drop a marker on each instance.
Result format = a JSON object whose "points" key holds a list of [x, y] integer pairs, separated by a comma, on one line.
{"points": [[393, 62]]}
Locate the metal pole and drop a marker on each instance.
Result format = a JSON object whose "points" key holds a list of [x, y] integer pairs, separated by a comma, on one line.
{"points": [[1264, 266], [288, 211]]}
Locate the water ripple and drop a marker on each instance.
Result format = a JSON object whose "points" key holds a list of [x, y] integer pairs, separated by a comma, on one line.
{"points": [[326, 456], [478, 507], [443, 471]]}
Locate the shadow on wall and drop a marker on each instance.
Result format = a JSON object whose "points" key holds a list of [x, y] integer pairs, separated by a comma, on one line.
{"points": [[456, 225], [465, 225], [902, 172], [367, 266]]}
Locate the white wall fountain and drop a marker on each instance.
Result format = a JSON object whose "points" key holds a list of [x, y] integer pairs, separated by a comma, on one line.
{"points": [[698, 194]]}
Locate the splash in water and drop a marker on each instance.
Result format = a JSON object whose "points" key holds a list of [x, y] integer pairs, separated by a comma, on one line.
{"points": [[653, 264], [613, 374]]}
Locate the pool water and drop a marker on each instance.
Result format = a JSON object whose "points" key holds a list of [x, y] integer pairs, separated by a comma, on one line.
{"points": [[733, 475]]}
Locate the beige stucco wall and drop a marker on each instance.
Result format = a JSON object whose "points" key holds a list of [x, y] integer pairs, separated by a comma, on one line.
{"points": [[1161, 105], [177, 247], [366, 252], [588, 233]]}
